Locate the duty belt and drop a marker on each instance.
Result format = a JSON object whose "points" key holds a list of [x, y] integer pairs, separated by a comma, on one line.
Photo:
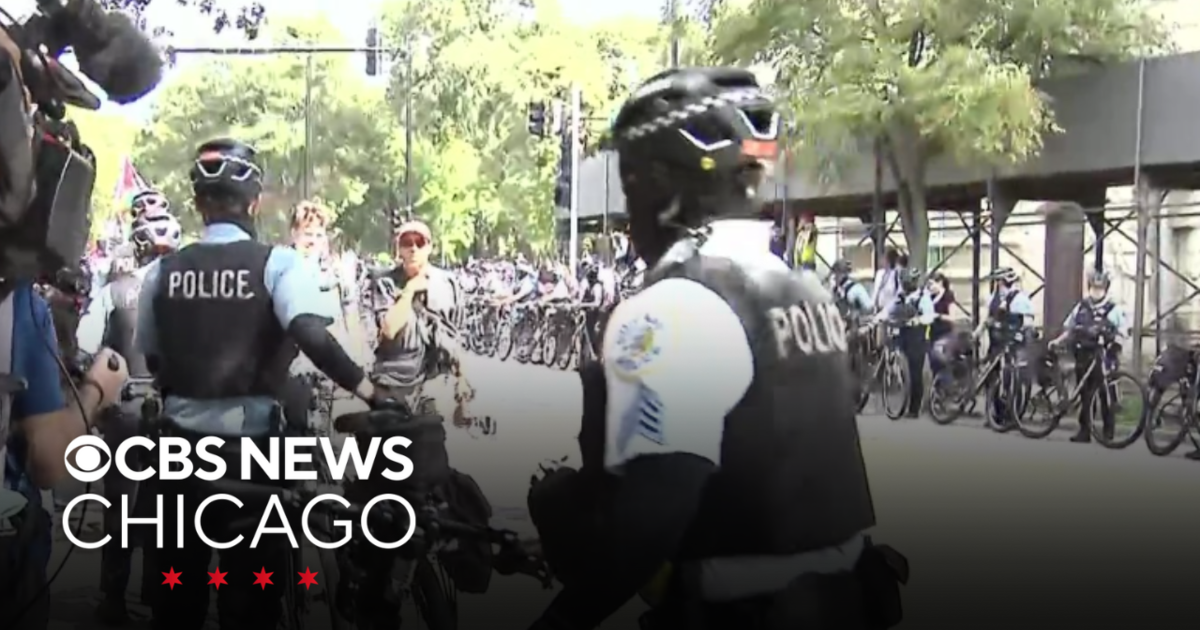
{"points": [[733, 578]]}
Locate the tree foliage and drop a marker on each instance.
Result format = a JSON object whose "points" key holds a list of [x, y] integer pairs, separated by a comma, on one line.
{"points": [[243, 16], [926, 77], [480, 179]]}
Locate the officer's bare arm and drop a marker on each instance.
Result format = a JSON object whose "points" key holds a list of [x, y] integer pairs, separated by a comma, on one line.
{"points": [[655, 504], [311, 334], [49, 435]]}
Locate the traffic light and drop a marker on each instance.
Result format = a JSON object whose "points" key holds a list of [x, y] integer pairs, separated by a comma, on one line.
{"points": [[537, 119], [373, 51], [562, 183]]}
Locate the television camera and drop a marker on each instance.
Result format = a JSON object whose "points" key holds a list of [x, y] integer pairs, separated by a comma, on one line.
{"points": [[47, 172]]}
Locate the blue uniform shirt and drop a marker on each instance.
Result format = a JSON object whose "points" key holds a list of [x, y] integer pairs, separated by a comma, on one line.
{"points": [[1020, 305], [858, 298], [295, 288], [925, 312], [34, 346]]}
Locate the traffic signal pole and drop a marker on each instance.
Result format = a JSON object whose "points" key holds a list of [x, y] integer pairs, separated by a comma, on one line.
{"points": [[576, 115], [173, 51]]}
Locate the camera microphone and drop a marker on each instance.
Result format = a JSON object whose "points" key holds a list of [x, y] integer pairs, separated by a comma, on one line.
{"points": [[111, 51]]}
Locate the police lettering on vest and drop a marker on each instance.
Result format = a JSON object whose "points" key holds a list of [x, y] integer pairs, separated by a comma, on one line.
{"points": [[810, 328], [221, 284]]}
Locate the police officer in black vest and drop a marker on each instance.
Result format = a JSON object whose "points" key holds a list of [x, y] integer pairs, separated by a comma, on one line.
{"points": [[219, 323], [717, 448]]}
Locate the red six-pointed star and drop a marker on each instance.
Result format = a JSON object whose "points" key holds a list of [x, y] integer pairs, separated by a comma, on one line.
{"points": [[262, 578], [308, 578], [172, 578], [217, 578]]}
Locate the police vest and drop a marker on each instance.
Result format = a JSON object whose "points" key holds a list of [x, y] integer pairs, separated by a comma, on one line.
{"points": [[121, 326], [792, 476], [1089, 314], [1001, 315], [217, 333]]}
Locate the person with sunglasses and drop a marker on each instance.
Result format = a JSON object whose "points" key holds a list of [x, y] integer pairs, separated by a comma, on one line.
{"points": [[417, 308], [721, 463], [219, 323]]}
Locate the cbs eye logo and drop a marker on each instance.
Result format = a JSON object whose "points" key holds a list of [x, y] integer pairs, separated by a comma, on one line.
{"points": [[92, 456]]}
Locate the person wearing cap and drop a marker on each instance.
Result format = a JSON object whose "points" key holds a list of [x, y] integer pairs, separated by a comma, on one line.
{"points": [[219, 323], [417, 307]]}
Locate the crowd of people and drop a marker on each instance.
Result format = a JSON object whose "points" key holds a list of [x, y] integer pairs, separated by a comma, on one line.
{"points": [[683, 417]]}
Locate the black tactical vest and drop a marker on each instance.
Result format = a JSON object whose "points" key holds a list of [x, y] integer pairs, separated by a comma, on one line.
{"points": [[1000, 313], [121, 326], [792, 476], [1090, 315], [218, 336]]}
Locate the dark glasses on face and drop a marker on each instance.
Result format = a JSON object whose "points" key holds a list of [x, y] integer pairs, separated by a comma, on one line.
{"points": [[412, 241]]}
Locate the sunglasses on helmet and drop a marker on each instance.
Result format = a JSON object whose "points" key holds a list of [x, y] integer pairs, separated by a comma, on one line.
{"points": [[213, 166]]}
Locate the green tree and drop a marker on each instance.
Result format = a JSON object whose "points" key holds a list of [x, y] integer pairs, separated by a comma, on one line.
{"points": [[476, 65], [355, 152], [927, 77]]}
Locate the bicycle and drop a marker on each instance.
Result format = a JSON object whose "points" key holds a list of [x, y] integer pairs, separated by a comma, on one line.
{"points": [[955, 390], [1007, 397], [421, 581], [888, 373], [1055, 397], [1176, 411]]}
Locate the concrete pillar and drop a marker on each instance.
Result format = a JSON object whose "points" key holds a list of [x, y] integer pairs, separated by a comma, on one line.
{"points": [[1001, 202], [1149, 203], [1064, 263]]}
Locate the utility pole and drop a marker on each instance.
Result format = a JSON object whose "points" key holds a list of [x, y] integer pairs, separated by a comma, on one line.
{"points": [[408, 126], [305, 185], [673, 16], [573, 134]]}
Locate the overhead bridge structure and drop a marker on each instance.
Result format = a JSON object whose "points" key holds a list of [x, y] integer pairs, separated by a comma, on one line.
{"points": [[1130, 125]]}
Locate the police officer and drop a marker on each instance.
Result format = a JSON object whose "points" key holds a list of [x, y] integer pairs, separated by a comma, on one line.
{"points": [[114, 311], [1095, 314], [912, 310], [851, 297], [690, 444], [214, 323], [1009, 320]]}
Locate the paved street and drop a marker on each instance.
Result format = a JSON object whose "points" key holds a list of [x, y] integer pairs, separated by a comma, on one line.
{"points": [[1001, 532]]}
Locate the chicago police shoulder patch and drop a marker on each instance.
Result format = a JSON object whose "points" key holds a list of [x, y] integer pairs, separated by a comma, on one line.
{"points": [[639, 344]]}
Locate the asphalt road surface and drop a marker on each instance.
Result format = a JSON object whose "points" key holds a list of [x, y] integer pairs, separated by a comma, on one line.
{"points": [[1000, 531]]}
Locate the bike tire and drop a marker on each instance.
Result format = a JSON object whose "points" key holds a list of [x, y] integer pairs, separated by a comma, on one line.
{"points": [[567, 353], [1188, 404], [504, 341], [549, 349], [989, 410], [942, 408], [1117, 443], [900, 373], [435, 606], [293, 598]]}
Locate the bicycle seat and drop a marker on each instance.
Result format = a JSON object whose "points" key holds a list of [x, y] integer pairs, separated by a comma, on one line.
{"points": [[382, 421]]}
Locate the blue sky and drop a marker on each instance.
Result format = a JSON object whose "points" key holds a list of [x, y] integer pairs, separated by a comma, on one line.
{"points": [[351, 18]]}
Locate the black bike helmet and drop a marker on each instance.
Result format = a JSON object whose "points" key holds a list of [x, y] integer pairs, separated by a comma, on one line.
{"points": [[705, 132], [1099, 278], [910, 279], [841, 268], [226, 166]]}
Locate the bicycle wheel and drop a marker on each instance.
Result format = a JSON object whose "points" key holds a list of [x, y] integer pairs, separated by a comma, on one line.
{"points": [[294, 607], [895, 386], [945, 400], [567, 353], [1126, 401], [549, 348], [504, 340], [1044, 412], [1172, 413], [999, 402], [432, 593], [864, 381]]}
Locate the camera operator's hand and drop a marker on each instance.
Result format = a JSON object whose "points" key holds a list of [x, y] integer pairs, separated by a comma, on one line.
{"points": [[108, 375]]}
